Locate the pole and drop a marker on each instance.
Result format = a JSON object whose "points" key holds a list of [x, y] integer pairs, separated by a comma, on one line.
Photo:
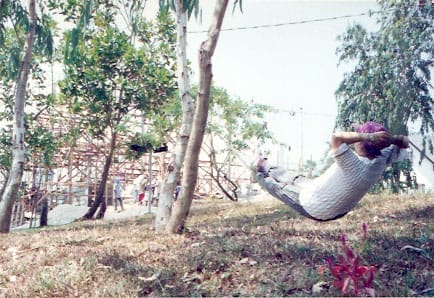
{"points": [[150, 182], [301, 140]]}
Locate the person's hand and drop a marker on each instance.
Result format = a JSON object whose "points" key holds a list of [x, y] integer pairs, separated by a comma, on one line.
{"points": [[381, 139], [400, 141]]}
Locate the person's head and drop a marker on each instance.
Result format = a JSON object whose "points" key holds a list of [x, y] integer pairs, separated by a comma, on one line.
{"points": [[368, 149]]}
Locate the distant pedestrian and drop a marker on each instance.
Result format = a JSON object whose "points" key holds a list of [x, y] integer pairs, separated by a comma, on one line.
{"points": [[139, 188], [117, 191], [177, 190]]}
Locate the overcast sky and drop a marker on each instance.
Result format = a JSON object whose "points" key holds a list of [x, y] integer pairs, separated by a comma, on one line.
{"points": [[290, 67]]}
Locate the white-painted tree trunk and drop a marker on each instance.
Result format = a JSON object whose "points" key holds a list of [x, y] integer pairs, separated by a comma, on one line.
{"points": [[18, 150], [173, 175], [182, 206]]}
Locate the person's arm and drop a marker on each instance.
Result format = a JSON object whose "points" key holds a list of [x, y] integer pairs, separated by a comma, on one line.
{"points": [[381, 138]]}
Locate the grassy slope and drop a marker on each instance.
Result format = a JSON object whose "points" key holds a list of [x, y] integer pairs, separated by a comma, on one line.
{"points": [[231, 249]]}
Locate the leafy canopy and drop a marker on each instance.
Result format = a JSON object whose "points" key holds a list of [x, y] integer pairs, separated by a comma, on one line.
{"points": [[235, 121], [108, 77], [390, 81], [391, 77]]}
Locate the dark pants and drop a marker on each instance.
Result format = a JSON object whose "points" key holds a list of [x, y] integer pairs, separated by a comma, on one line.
{"points": [[120, 203]]}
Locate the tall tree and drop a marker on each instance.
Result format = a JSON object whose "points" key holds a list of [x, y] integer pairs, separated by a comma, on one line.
{"points": [[12, 13], [391, 79], [182, 9], [107, 78], [182, 206]]}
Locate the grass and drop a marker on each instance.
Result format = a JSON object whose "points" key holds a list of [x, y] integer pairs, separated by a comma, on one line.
{"points": [[230, 249]]}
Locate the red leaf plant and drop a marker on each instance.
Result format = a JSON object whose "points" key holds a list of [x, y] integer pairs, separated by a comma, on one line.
{"points": [[349, 274]]}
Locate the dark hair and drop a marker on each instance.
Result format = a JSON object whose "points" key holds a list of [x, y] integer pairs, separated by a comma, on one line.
{"points": [[370, 127]]}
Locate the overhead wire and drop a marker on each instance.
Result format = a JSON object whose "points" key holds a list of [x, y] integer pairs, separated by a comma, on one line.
{"points": [[368, 13]]}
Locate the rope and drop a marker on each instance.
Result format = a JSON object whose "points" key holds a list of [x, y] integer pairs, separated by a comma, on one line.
{"points": [[421, 151]]}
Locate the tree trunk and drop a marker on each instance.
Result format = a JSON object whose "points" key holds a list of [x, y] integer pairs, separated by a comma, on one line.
{"points": [[182, 206], [18, 159], [100, 200], [43, 220], [5, 182], [166, 195]]}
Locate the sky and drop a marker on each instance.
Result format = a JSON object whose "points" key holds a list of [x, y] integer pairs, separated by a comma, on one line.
{"points": [[293, 68]]}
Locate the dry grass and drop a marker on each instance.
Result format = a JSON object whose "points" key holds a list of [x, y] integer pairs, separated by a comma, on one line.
{"points": [[231, 249]]}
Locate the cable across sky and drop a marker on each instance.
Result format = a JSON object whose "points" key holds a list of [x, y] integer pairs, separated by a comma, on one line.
{"points": [[368, 13]]}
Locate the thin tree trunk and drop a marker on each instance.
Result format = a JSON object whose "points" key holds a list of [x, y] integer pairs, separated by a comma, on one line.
{"points": [[166, 195], [182, 206], [100, 200], [43, 220], [5, 182], [18, 159]]}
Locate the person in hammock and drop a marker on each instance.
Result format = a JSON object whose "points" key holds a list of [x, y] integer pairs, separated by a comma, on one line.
{"points": [[338, 190]]}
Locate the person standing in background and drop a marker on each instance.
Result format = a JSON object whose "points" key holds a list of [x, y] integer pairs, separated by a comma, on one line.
{"points": [[139, 188], [117, 193], [177, 190]]}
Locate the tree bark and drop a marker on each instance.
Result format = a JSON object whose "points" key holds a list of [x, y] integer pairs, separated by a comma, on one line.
{"points": [[5, 182], [182, 206], [18, 158], [166, 195], [100, 200], [43, 220]]}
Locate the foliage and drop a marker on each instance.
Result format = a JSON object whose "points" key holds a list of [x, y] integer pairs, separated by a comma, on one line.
{"points": [[5, 150], [14, 24], [39, 139], [108, 77], [348, 272], [390, 80], [236, 121], [141, 144], [43, 143], [14, 21], [391, 178], [79, 13], [164, 121], [190, 6], [132, 12], [10, 52], [232, 126], [309, 167]]}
